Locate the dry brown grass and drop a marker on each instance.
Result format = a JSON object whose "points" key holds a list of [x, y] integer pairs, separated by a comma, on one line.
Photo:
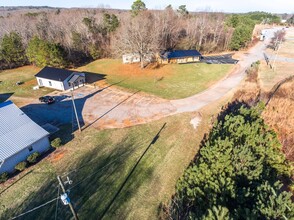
{"points": [[279, 114], [269, 77]]}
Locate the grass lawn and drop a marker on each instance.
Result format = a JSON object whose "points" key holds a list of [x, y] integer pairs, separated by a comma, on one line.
{"points": [[169, 81], [25, 74], [109, 179]]}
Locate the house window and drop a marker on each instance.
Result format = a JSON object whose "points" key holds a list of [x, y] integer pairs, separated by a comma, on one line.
{"points": [[50, 84], [69, 84], [30, 148], [40, 82]]}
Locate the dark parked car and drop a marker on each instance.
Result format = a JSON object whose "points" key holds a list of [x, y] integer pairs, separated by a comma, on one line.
{"points": [[47, 99]]}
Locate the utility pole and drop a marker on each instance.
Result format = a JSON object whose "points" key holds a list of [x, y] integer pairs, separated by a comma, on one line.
{"points": [[278, 47], [68, 200], [75, 110]]}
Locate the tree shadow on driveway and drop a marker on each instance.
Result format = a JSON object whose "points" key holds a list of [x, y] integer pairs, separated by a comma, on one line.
{"points": [[62, 112]]}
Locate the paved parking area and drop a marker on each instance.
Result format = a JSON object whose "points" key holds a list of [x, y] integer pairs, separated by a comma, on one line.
{"points": [[222, 59], [101, 108]]}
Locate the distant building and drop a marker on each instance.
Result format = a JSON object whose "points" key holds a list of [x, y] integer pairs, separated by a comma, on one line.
{"points": [[60, 79], [131, 58], [19, 137], [135, 58], [179, 56]]}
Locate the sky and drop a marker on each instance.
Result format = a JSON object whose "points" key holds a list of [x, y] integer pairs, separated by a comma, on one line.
{"points": [[274, 6]]}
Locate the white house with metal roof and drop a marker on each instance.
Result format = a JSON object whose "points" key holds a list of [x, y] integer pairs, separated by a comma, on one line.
{"points": [[60, 79], [19, 137]]}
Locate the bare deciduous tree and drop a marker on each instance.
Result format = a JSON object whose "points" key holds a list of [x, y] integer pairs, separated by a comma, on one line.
{"points": [[137, 35]]}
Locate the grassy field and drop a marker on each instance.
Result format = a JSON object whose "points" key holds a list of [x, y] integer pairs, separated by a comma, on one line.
{"points": [[168, 81], [8, 87], [110, 178]]}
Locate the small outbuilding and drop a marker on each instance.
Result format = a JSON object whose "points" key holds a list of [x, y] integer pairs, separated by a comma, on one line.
{"points": [[131, 58], [60, 79], [19, 137], [135, 58], [179, 56]]}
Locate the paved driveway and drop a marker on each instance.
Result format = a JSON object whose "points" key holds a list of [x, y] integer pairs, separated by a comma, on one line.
{"points": [[101, 108], [111, 107]]}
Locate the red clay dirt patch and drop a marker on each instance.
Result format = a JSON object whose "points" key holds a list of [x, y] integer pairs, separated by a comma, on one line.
{"points": [[57, 156], [32, 82]]}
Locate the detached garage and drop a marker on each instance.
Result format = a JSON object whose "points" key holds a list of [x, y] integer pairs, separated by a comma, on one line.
{"points": [[19, 137], [60, 79]]}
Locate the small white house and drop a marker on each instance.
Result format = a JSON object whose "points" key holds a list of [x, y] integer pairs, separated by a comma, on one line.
{"points": [[135, 58], [60, 79], [19, 137], [131, 58]]}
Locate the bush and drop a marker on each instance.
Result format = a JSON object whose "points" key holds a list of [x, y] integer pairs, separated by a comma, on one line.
{"points": [[21, 166], [33, 157], [56, 143], [3, 177]]}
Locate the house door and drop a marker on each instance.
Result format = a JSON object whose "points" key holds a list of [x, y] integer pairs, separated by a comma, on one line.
{"points": [[40, 82]]}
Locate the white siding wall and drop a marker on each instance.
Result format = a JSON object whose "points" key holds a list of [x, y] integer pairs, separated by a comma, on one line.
{"points": [[65, 85], [39, 146], [54, 84], [131, 58]]}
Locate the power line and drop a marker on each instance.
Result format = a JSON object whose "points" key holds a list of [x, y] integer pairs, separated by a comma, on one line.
{"points": [[68, 202], [31, 210]]}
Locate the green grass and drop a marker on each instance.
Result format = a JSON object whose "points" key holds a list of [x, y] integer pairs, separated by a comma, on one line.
{"points": [[107, 158], [24, 74], [172, 81]]}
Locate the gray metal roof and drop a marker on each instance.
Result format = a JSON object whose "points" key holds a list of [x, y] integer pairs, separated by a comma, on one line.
{"points": [[17, 130]]}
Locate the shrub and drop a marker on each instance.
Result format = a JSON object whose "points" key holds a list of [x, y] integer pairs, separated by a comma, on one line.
{"points": [[33, 157], [3, 177], [56, 143], [21, 166]]}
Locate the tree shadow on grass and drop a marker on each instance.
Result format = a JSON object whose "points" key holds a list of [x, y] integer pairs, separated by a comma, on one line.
{"points": [[102, 183], [5, 96]]}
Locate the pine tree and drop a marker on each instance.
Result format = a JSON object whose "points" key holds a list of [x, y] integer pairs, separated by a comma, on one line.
{"points": [[12, 50], [235, 174], [42, 53]]}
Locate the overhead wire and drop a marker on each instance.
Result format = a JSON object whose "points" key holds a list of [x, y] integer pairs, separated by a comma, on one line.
{"points": [[38, 207]]}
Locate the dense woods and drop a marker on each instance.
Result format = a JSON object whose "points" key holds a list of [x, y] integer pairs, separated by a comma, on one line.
{"points": [[72, 37], [238, 173]]}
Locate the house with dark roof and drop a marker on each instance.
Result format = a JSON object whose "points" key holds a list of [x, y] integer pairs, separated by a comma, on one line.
{"points": [[19, 137], [179, 56], [60, 79]]}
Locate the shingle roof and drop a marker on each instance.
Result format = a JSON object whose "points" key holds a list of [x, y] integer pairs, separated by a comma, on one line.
{"points": [[180, 54], [17, 130], [54, 73]]}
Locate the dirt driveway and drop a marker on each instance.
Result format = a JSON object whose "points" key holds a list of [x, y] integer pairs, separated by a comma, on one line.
{"points": [[110, 107]]}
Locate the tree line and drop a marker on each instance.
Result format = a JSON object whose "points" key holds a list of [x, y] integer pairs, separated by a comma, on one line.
{"points": [[71, 37], [239, 172]]}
